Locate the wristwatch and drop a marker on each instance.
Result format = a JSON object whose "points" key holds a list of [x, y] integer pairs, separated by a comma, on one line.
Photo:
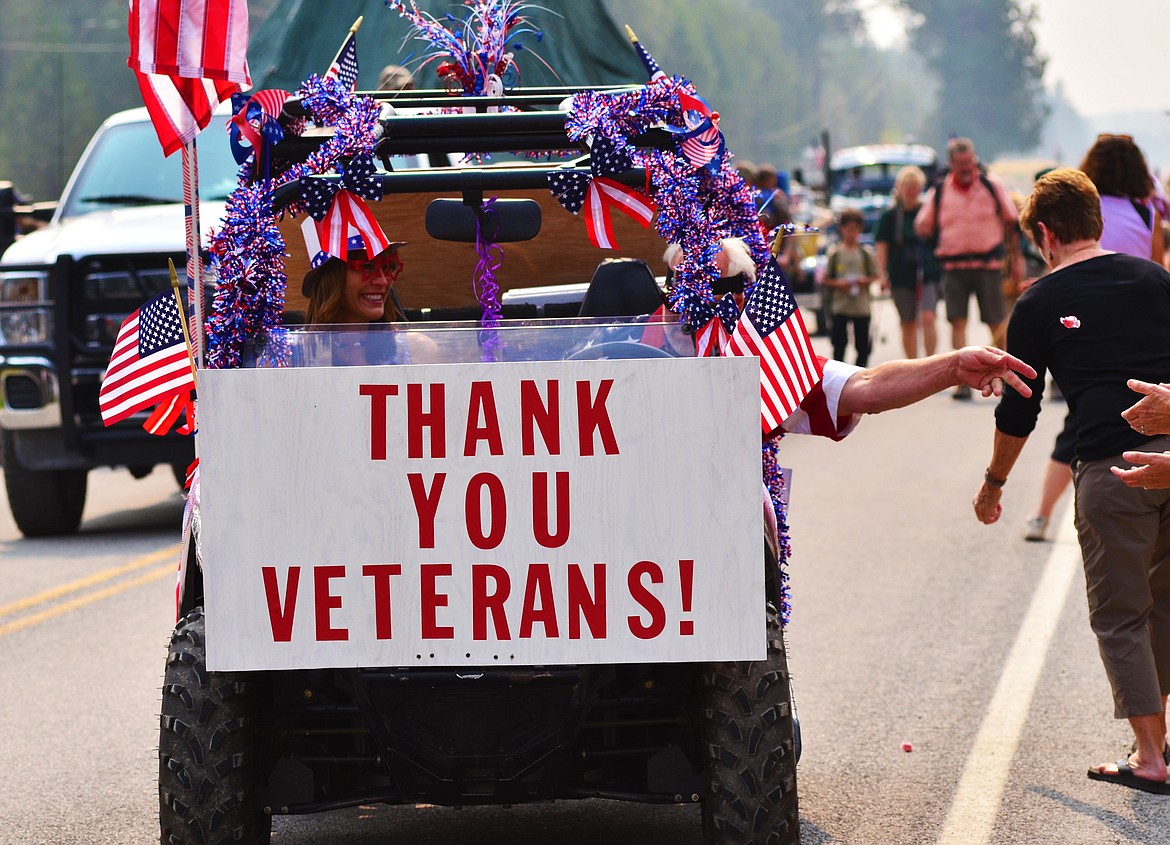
{"points": [[991, 480]]}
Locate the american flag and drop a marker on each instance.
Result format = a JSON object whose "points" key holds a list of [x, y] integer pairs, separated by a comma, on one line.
{"points": [[188, 56], [345, 67], [772, 329], [150, 361]]}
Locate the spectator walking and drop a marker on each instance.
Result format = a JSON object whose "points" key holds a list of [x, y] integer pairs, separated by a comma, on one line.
{"points": [[851, 269], [1094, 319], [971, 220], [1130, 224], [907, 266]]}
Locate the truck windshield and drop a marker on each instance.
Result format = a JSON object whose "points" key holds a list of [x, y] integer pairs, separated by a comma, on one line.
{"points": [[126, 168]]}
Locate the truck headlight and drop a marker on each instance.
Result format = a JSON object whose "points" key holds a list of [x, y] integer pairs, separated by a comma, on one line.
{"points": [[23, 326], [26, 310]]}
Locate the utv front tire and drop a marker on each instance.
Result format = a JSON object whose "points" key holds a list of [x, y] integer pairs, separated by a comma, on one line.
{"points": [[44, 503], [206, 780], [749, 749]]}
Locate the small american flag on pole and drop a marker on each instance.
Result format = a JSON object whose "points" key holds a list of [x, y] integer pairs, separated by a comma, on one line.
{"points": [[345, 67], [150, 362], [772, 329]]}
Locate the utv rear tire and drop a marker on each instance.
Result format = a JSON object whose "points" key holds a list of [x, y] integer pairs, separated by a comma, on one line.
{"points": [[206, 749], [749, 749], [44, 503]]}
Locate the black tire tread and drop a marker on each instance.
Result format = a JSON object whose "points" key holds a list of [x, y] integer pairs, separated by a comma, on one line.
{"points": [[206, 785], [44, 503], [749, 749]]}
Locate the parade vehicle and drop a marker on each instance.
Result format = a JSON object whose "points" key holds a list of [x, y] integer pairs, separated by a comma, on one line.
{"points": [[506, 551], [64, 291]]}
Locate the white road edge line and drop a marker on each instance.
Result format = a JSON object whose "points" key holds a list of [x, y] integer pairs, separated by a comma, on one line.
{"points": [[976, 803]]}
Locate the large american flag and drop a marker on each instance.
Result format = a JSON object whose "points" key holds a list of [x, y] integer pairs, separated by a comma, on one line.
{"points": [[772, 329], [188, 56], [345, 67], [150, 361]]}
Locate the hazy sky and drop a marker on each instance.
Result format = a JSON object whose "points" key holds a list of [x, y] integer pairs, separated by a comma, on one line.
{"points": [[1110, 55]]}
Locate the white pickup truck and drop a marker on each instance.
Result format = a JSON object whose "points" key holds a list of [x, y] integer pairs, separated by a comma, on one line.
{"points": [[64, 291]]}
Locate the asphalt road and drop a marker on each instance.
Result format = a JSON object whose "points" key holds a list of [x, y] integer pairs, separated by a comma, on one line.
{"points": [[912, 624]]}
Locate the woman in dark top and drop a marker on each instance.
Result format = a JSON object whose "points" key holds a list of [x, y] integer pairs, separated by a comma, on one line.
{"points": [[1097, 319], [908, 269]]}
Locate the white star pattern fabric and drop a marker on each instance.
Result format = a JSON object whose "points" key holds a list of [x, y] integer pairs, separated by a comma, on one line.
{"points": [[345, 67]]}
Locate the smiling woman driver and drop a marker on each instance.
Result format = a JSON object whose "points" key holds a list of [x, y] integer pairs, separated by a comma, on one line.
{"points": [[358, 291]]}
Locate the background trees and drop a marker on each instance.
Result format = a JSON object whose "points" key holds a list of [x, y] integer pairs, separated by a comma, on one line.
{"points": [[779, 72]]}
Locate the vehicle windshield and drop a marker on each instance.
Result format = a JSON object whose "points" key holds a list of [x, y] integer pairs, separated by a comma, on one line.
{"points": [[126, 168], [461, 343]]}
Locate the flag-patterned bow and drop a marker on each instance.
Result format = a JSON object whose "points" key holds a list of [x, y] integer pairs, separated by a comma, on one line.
{"points": [[255, 119], [340, 207], [715, 323], [600, 193], [700, 142]]}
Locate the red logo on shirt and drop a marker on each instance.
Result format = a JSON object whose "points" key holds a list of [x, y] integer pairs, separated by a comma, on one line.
{"points": [[1070, 322]]}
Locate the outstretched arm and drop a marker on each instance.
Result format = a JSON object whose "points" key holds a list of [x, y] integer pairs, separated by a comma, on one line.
{"points": [[896, 384]]}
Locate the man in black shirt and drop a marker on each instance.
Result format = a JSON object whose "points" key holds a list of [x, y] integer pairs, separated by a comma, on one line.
{"points": [[1096, 320]]}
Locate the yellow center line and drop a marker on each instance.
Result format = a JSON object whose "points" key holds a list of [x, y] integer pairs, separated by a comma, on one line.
{"points": [[170, 552], [82, 601]]}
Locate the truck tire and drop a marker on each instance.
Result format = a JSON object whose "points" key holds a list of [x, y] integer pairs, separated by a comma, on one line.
{"points": [[749, 749], [44, 503], [206, 782]]}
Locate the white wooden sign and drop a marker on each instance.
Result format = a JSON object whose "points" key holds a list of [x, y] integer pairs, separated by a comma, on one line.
{"points": [[482, 514]]}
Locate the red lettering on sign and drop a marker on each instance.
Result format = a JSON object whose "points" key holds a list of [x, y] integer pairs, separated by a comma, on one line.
{"points": [[540, 510], [538, 603], [378, 392], [418, 419], [280, 614], [324, 603], [686, 580], [592, 414], [587, 605], [382, 573], [483, 423], [536, 413], [485, 604], [426, 504], [497, 509], [432, 600], [649, 602]]}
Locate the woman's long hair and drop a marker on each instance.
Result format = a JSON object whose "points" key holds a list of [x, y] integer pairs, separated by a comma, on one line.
{"points": [[326, 286]]}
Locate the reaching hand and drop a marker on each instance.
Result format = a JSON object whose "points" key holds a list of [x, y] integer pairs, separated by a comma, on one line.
{"points": [[1151, 473], [987, 369], [1150, 414]]}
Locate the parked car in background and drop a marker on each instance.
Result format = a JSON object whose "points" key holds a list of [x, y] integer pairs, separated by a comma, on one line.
{"points": [[64, 291]]}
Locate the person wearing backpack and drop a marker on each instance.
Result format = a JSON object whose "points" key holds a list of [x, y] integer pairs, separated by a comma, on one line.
{"points": [[852, 268], [971, 220]]}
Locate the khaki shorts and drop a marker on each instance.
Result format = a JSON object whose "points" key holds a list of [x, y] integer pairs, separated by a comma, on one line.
{"points": [[958, 285], [911, 302]]}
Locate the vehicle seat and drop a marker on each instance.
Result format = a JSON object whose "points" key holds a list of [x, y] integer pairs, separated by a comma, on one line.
{"points": [[621, 287]]}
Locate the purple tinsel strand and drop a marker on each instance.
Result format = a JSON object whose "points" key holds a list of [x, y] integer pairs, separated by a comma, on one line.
{"points": [[487, 290], [774, 480]]}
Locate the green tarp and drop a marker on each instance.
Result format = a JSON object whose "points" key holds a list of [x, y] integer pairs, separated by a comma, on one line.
{"points": [[582, 43]]}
